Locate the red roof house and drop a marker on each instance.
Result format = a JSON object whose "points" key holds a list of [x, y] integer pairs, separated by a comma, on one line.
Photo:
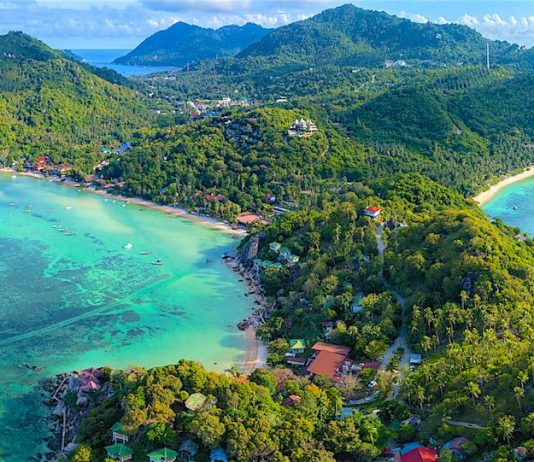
{"points": [[372, 211], [421, 455], [328, 360]]}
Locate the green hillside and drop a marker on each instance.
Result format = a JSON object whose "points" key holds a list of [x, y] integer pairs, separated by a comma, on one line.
{"points": [[52, 105], [351, 35], [183, 44]]}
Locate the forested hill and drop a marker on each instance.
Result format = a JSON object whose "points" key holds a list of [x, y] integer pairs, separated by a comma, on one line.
{"points": [[350, 35], [185, 43], [52, 105]]}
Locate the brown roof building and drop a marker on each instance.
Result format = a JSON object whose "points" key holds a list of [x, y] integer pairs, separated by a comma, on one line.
{"points": [[328, 360]]}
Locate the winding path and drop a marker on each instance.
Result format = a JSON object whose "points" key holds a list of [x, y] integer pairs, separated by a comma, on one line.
{"points": [[402, 340]]}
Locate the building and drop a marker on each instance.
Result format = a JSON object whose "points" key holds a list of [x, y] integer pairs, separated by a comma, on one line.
{"points": [[297, 346], [301, 127], [218, 455], [372, 211], [119, 452], [328, 360], [296, 361], [419, 454], [162, 455], [195, 402], [188, 450], [455, 445], [119, 435], [250, 218], [415, 359]]}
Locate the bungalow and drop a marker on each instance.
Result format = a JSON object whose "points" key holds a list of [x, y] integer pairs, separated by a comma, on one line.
{"points": [[418, 454], [218, 455], [297, 346], [188, 449], [415, 359], [119, 435], [250, 218], [162, 455], [296, 361], [372, 211], [328, 360], [455, 446], [195, 402], [119, 452]]}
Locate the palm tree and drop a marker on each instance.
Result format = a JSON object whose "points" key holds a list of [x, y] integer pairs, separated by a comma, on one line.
{"points": [[489, 401], [506, 427], [519, 393], [426, 344], [474, 391], [464, 297], [523, 378]]}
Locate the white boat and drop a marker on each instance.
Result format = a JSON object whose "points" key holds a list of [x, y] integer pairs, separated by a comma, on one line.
{"points": [[13, 176], [127, 246], [158, 262]]}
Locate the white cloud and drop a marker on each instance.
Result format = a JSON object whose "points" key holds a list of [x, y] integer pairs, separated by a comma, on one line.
{"points": [[415, 17]]}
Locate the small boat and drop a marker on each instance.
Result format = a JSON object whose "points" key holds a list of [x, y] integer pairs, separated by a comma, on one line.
{"points": [[12, 204], [51, 210], [158, 262], [127, 246], [13, 176], [515, 207], [146, 252], [70, 234], [27, 211], [68, 207]]}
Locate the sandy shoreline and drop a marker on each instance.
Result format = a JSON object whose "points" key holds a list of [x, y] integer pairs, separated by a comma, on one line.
{"points": [[256, 354], [486, 196], [169, 210]]}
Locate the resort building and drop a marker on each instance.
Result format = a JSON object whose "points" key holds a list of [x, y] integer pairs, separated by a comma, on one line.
{"points": [[195, 402], [415, 359], [328, 360], [218, 455], [162, 455], [418, 454], [284, 254], [188, 450], [297, 346], [119, 435], [301, 127], [119, 452], [372, 211], [250, 218]]}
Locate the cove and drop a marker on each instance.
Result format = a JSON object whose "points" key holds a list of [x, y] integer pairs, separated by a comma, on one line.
{"points": [[514, 205], [71, 295]]}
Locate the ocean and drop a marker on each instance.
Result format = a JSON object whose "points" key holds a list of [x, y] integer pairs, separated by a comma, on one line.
{"points": [[514, 205], [105, 58], [72, 295]]}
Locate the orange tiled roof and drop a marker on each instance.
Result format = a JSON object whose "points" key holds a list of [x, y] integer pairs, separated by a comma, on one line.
{"points": [[339, 349], [326, 363]]}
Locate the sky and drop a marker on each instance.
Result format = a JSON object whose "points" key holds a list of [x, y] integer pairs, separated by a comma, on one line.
{"points": [[123, 24]]}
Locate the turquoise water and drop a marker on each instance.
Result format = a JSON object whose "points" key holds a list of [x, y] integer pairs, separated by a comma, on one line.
{"points": [[70, 302], [105, 58], [519, 195]]}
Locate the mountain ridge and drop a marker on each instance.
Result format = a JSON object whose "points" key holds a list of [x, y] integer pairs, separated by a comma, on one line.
{"points": [[184, 43]]}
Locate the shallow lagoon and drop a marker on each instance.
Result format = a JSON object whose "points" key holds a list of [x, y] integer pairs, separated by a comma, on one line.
{"points": [[520, 196], [70, 302]]}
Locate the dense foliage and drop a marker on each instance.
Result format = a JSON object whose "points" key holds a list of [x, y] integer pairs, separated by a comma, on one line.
{"points": [[246, 418], [183, 44], [50, 105]]}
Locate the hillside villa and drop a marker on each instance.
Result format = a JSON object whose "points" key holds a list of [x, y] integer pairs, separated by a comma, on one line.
{"points": [[302, 128]]}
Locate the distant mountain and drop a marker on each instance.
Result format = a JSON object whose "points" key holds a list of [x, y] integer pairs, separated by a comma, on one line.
{"points": [[51, 104], [348, 35], [184, 43]]}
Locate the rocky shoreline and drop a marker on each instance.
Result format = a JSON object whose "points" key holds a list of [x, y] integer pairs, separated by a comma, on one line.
{"points": [[67, 398]]}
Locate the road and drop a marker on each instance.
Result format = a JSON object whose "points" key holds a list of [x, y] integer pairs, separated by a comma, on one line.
{"points": [[402, 340], [456, 423]]}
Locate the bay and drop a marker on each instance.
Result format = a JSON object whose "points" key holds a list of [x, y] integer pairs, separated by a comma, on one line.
{"points": [[514, 205], [105, 58], [71, 295]]}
